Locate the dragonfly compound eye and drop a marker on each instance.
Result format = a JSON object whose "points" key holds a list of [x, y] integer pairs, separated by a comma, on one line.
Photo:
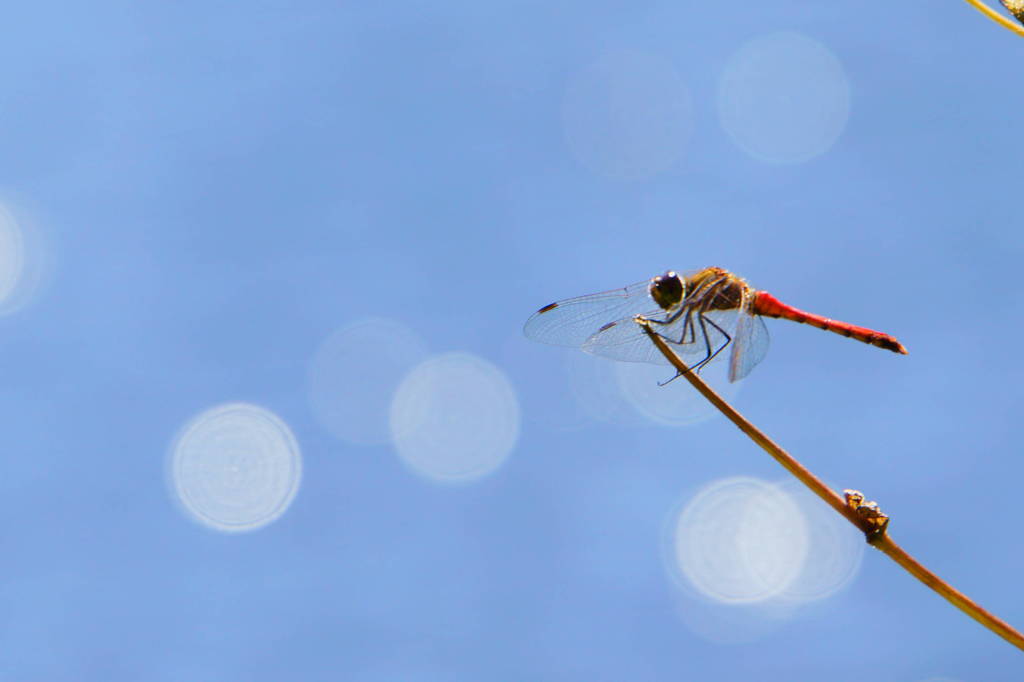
{"points": [[667, 290]]}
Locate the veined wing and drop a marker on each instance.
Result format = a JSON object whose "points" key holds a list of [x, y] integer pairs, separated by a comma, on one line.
{"points": [[686, 335], [573, 321], [749, 345]]}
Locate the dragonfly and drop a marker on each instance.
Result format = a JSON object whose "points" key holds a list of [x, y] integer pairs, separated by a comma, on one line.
{"points": [[698, 314]]}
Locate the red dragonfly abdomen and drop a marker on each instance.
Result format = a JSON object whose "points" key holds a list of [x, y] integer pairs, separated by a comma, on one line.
{"points": [[769, 306]]}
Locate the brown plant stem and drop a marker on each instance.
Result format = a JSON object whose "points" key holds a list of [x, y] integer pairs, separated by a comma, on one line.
{"points": [[875, 535], [996, 16]]}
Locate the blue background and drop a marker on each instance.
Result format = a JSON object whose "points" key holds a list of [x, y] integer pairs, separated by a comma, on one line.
{"points": [[222, 185]]}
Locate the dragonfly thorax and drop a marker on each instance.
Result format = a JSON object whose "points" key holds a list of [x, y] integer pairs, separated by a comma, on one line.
{"points": [[667, 290], [716, 289]]}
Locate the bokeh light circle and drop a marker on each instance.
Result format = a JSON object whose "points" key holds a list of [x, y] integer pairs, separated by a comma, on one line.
{"points": [[677, 403], [12, 255], [744, 541], [784, 98], [594, 383], [235, 467], [455, 418], [740, 541], [628, 116], [354, 374], [835, 549], [24, 261]]}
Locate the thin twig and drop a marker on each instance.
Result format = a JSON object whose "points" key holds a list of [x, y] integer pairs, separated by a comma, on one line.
{"points": [[876, 534], [996, 16]]}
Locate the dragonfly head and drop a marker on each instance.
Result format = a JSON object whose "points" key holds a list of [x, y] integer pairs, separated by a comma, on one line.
{"points": [[667, 290]]}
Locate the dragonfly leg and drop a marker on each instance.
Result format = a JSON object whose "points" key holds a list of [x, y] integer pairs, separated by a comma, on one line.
{"points": [[688, 327], [669, 381], [709, 355], [669, 319], [707, 340]]}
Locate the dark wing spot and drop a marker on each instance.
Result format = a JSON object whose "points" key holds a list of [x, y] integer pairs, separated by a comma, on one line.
{"points": [[549, 306], [606, 327]]}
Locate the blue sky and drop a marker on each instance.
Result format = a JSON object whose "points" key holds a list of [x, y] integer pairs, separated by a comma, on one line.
{"points": [[339, 217]]}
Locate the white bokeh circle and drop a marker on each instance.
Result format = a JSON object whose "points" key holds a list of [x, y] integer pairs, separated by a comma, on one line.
{"points": [[454, 418], [784, 98], [354, 374], [235, 467], [25, 260], [776, 546], [627, 116], [835, 549], [740, 541], [675, 403], [12, 255]]}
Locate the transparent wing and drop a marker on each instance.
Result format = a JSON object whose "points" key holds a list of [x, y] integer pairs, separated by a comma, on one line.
{"points": [[749, 345], [572, 321], [624, 339]]}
